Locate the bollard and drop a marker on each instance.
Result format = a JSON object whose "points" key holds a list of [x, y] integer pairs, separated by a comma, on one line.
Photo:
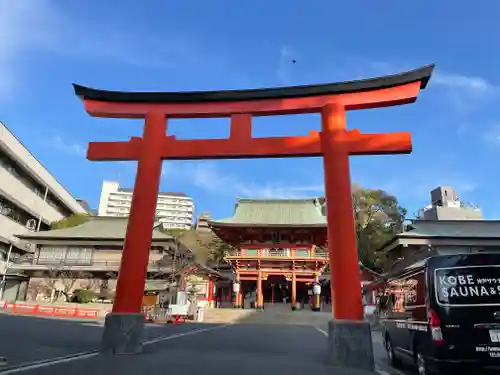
{"points": [[199, 314], [177, 320]]}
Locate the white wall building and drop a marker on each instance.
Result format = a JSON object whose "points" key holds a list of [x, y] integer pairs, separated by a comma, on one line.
{"points": [[30, 197], [173, 210], [446, 205]]}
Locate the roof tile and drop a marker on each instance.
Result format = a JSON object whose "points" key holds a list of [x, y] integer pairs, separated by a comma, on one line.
{"points": [[453, 228], [97, 227], [279, 212]]}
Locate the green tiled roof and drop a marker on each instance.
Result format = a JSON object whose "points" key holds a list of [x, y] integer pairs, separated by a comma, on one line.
{"points": [[97, 227], [453, 228], [278, 212]]}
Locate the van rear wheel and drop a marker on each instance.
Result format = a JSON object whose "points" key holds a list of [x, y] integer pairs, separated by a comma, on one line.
{"points": [[391, 355]]}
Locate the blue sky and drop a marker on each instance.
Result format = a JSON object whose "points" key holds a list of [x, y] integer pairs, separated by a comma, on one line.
{"points": [[162, 45]]}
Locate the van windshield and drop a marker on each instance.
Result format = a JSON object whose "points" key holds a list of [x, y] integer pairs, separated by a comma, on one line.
{"points": [[466, 286]]}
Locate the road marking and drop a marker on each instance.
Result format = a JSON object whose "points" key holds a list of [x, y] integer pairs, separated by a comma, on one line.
{"points": [[321, 331], [193, 332], [73, 357]]}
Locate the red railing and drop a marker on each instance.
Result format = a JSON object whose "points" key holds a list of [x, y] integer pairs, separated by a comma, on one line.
{"points": [[55, 311], [276, 253]]}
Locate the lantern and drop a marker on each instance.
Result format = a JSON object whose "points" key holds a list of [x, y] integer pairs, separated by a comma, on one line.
{"points": [[317, 289], [236, 287]]}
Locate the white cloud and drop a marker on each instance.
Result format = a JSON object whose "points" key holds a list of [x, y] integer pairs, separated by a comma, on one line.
{"points": [[285, 61], [465, 93], [458, 83], [492, 135], [415, 190], [23, 25], [27, 26], [209, 177], [462, 82], [57, 143]]}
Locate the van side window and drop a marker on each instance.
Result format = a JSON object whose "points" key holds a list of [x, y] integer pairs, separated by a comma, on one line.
{"points": [[414, 295], [386, 303]]}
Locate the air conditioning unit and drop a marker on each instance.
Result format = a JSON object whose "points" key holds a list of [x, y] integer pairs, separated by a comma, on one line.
{"points": [[31, 225]]}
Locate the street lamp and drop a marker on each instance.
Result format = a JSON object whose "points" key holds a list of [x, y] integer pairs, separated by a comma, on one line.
{"points": [[236, 290]]}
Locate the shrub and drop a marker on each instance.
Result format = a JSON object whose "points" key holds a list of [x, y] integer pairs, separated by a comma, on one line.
{"points": [[83, 296], [105, 295]]}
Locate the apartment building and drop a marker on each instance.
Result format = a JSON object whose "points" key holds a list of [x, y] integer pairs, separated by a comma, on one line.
{"points": [[30, 200], [173, 210]]}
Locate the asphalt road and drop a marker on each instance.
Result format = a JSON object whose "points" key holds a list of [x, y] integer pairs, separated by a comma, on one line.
{"points": [[27, 339], [188, 349]]}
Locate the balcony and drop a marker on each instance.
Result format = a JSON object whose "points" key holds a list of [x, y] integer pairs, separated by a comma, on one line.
{"points": [[29, 263], [33, 203], [9, 228], [277, 253]]}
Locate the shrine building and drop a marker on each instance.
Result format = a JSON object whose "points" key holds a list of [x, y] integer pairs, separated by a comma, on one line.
{"points": [[279, 248]]}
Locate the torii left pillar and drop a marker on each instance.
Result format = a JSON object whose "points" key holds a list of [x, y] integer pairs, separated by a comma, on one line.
{"points": [[125, 324]]}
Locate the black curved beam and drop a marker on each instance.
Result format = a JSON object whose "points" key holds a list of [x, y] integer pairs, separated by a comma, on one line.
{"points": [[421, 75]]}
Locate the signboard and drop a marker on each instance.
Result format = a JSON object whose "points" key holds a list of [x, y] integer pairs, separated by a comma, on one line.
{"points": [[468, 285]]}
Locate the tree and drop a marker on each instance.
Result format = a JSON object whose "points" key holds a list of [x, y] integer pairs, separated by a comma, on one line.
{"points": [[90, 282], [216, 249], [35, 288], [51, 278], [378, 218], [71, 221], [68, 281]]}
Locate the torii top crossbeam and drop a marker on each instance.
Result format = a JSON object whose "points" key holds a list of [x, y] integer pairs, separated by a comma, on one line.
{"points": [[241, 105]]}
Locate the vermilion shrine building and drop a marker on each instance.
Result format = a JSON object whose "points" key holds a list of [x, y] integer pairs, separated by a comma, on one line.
{"points": [[279, 249]]}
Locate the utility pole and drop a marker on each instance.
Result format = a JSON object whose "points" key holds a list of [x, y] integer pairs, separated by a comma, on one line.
{"points": [[2, 286], [40, 217]]}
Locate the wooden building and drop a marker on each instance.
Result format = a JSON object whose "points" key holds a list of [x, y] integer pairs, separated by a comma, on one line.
{"points": [[278, 248], [89, 254]]}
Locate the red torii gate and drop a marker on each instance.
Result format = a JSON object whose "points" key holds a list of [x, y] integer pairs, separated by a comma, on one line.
{"points": [[334, 143]]}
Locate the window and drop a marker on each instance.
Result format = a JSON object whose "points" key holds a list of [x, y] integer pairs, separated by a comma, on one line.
{"points": [[61, 255], [405, 295], [301, 253], [17, 214], [51, 255], [251, 252], [77, 255]]}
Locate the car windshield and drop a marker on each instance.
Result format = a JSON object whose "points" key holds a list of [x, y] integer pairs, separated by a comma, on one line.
{"points": [[466, 286]]}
